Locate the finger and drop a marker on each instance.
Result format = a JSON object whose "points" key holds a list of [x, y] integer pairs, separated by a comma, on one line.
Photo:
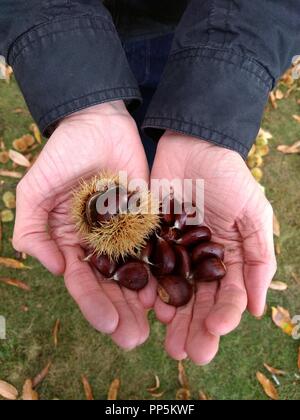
{"points": [[31, 236], [201, 345], [127, 334], [139, 312], [148, 295], [256, 229], [84, 287], [177, 332], [230, 304], [164, 313]]}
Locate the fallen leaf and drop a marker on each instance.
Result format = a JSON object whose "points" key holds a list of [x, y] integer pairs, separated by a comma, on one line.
{"points": [[23, 143], [113, 390], [19, 159], [12, 263], [16, 283], [274, 371], [9, 200], [257, 174], [157, 395], [8, 391], [262, 151], [282, 319], [157, 385], [7, 216], [55, 332], [279, 94], [263, 138], [20, 111], [297, 118], [39, 378], [36, 132], [299, 358], [4, 157], [276, 226], [267, 385], [87, 388], [278, 248], [289, 150], [203, 396], [11, 174], [273, 100], [279, 286], [183, 394], [182, 377], [28, 393], [254, 161]]}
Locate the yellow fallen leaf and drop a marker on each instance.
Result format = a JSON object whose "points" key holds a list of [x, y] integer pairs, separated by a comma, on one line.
{"points": [[28, 393], [11, 174], [282, 319], [279, 286], [40, 377], [183, 394], [19, 159], [23, 143], [36, 132], [9, 200], [279, 94], [257, 174], [289, 150], [7, 216], [267, 386], [55, 332], [16, 283], [182, 377], [274, 371], [252, 151], [254, 161], [8, 391], [297, 118], [113, 390], [263, 138], [87, 389], [12, 263], [276, 226]]}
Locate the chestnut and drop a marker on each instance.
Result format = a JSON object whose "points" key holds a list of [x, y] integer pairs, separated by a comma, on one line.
{"points": [[174, 290], [181, 220], [167, 211], [104, 265], [163, 257], [210, 249], [132, 275], [209, 270], [195, 235], [183, 262]]}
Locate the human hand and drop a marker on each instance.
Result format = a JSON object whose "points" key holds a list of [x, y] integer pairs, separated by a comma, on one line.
{"points": [[240, 217], [101, 137]]}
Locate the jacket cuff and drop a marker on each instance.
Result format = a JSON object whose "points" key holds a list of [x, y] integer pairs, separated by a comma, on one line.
{"points": [[69, 64], [214, 94]]}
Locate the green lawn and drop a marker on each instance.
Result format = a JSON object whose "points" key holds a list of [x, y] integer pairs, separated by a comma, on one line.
{"points": [[81, 350]]}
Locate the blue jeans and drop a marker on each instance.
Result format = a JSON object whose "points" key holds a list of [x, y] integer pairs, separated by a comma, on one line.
{"points": [[147, 59]]}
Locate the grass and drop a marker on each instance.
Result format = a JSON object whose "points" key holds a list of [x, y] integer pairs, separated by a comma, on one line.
{"points": [[81, 350]]}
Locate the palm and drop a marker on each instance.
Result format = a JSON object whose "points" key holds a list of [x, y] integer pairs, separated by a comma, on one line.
{"points": [[79, 148], [240, 218]]}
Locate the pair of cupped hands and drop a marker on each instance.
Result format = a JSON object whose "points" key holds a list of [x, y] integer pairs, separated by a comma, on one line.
{"points": [[106, 137]]}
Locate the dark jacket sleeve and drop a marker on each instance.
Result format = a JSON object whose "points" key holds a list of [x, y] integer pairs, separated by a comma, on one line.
{"points": [[225, 59], [66, 56]]}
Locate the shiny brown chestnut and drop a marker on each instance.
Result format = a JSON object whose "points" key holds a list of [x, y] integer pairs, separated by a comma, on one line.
{"points": [[195, 235], [207, 249], [163, 257], [104, 265], [183, 262], [209, 270], [132, 275], [174, 290]]}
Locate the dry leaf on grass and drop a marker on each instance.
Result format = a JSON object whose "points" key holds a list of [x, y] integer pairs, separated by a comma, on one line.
{"points": [[11, 174], [297, 118], [289, 150], [113, 390], [267, 386], [40, 377], [203, 396], [9, 200], [279, 286], [182, 377], [23, 143], [16, 283], [19, 159], [4, 157], [157, 385], [183, 394], [273, 100], [12, 263], [279, 94], [36, 132], [8, 391], [87, 388], [7, 216], [29, 394], [276, 226], [55, 332], [282, 319], [274, 371]]}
